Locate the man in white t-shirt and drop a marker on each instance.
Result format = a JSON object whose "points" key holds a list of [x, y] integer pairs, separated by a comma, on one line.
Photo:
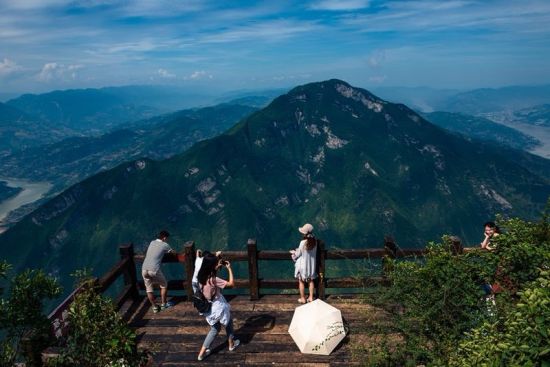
{"points": [[151, 273]]}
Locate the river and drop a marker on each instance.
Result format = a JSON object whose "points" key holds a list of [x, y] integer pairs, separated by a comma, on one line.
{"points": [[541, 133], [31, 192]]}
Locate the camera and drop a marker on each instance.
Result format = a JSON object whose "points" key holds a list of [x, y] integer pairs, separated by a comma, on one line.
{"points": [[224, 262]]}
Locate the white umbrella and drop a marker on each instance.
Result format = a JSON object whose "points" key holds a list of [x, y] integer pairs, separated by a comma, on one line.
{"points": [[317, 327]]}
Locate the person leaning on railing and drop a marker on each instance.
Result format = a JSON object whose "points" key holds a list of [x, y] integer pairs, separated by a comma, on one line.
{"points": [[152, 274], [305, 257]]}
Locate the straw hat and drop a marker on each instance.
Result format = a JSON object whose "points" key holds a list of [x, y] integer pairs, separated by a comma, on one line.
{"points": [[306, 228]]}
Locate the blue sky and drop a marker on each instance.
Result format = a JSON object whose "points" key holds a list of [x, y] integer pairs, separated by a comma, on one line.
{"points": [[225, 45]]}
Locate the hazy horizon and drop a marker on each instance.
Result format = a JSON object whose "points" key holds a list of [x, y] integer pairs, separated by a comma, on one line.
{"points": [[50, 45], [4, 97]]}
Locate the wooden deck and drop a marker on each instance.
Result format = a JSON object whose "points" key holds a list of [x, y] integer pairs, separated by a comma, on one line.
{"points": [[176, 335]]}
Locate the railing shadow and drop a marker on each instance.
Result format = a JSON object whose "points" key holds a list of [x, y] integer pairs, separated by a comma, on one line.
{"points": [[253, 325]]}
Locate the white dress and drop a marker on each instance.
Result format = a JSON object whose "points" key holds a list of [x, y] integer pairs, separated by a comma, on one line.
{"points": [[306, 261]]}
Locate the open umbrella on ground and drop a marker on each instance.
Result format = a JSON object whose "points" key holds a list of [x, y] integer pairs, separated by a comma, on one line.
{"points": [[317, 327]]}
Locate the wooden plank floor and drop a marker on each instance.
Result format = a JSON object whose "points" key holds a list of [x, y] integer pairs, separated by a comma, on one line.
{"points": [[176, 335]]}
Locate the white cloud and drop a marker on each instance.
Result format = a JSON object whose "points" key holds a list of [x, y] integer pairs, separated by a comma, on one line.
{"points": [[33, 4], [140, 46], [48, 72], [376, 59], [160, 8], [433, 15], [8, 67], [263, 31], [163, 73], [199, 75], [53, 71], [340, 5]]}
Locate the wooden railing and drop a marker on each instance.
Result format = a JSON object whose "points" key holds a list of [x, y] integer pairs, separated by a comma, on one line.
{"points": [[126, 267]]}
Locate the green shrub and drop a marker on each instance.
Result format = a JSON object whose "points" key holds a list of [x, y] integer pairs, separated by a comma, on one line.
{"points": [[24, 327], [520, 338], [97, 335], [443, 317]]}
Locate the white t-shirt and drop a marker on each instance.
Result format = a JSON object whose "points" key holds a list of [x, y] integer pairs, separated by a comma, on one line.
{"points": [[198, 264]]}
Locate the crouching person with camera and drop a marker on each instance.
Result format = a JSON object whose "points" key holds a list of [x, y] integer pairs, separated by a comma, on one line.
{"points": [[220, 312]]}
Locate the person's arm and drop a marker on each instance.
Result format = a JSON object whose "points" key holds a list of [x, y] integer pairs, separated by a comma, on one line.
{"points": [[167, 248], [231, 281], [486, 243], [298, 251], [293, 255]]}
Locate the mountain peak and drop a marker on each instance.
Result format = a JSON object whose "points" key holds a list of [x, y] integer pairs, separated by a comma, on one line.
{"points": [[343, 88]]}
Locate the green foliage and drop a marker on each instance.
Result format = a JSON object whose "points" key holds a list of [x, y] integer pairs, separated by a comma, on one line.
{"points": [[24, 327], [519, 338], [97, 334], [444, 318], [4, 267], [522, 251]]}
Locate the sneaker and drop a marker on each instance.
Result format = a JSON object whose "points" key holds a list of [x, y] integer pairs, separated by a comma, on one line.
{"points": [[236, 343], [206, 354], [166, 305], [156, 309]]}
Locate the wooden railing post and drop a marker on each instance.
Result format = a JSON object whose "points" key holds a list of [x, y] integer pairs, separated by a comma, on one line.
{"points": [[130, 276], [190, 255], [391, 253], [253, 269], [456, 245], [321, 259]]}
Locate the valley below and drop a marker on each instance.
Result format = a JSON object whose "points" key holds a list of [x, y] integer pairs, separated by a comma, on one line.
{"points": [[539, 132], [30, 192]]}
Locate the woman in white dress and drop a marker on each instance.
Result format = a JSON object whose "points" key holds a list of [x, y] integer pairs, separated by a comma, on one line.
{"points": [[220, 313], [305, 257]]}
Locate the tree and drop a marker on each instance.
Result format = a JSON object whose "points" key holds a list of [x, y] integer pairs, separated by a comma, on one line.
{"points": [[25, 329]]}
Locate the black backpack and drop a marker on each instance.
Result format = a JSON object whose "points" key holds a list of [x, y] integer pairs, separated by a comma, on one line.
{"points": [[200, 302]]}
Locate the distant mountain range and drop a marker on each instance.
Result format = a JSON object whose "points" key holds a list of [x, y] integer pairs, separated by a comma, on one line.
{"points": [[471, 102], [73, 159], [536, 115], [19, 130], [97, 110], [481, 129], [254, 98], [31, 120], [480, 101], [355, 166], [419, 98]]}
